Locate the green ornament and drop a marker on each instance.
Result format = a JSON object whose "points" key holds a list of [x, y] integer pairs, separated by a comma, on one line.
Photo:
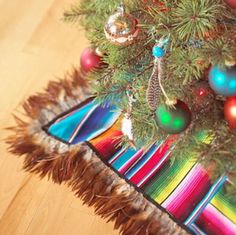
{"points": [[175, 119]]}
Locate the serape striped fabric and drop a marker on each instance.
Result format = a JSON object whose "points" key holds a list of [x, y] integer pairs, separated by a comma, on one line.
{"points": [[182, 187]]}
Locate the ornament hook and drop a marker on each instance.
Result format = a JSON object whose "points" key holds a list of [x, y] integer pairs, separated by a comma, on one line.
{"points": [[121, 8]]}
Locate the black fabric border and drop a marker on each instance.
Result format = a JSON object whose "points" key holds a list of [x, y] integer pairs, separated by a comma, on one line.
{"points": [[138, 189]]}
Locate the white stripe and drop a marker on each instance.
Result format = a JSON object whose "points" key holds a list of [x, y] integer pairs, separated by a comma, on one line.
{"points": [[117, 155], [82, 122], [131, 159], [196, 229]]}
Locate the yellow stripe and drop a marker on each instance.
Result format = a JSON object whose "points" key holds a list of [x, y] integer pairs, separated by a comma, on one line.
{"points": [[175, 181], [224, 209]]}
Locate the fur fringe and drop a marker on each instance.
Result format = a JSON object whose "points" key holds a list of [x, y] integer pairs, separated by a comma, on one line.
{"points": [[79, 167]]}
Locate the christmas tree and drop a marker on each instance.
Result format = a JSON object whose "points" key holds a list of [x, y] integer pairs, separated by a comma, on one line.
{"points": [[170, 66]]}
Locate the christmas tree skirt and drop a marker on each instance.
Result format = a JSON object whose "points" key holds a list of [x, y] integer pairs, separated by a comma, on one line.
{"points": [[70, 138]]}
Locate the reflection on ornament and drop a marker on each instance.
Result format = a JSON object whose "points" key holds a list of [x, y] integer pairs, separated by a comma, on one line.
{"points": [[121, 27], [230, 111], [223, 81], [173, 120], [201, 92], [233, 112]]}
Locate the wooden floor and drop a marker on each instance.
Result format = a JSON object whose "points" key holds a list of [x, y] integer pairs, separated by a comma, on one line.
{"points": [[35, 46]]}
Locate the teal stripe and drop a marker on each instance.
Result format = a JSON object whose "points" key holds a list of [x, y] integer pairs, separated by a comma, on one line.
{"points": [[124, 158], [64, 128]]}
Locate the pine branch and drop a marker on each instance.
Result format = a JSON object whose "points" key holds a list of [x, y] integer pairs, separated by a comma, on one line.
{"points": [[201, 33], [75, 13], [193, 19]]}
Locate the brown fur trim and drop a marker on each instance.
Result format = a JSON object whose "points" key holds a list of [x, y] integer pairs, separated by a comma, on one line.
{"points": [[79, 167]]}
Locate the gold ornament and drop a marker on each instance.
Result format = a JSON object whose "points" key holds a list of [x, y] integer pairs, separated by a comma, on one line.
{"points": [[121, 28], [230, 62]]}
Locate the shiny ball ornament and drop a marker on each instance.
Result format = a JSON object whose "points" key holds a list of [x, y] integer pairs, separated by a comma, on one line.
{"points": [[230, 63], [230, 111], [158, 52], [231, 3], [89, 60], [202, 95], [173, 120], [121, 28], [223, 81]]}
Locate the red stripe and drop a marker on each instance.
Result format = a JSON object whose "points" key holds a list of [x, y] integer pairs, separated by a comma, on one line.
{"points": [[107, 147], [191, 196], [152, 162]]}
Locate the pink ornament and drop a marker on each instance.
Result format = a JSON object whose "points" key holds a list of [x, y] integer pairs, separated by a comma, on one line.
{"points": [[231, 3], [89, 60]]}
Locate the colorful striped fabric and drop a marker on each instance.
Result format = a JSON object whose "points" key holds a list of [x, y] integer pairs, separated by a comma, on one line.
{"points": [[182, 187]]}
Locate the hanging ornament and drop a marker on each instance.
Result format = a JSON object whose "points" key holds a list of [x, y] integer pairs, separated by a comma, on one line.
{"points": [[202, 95], [231, 3], [223, 81], [230, 111], [126, 123], [155, 88], [121, 28], [173, 120], [230, 62], [90, 60]]}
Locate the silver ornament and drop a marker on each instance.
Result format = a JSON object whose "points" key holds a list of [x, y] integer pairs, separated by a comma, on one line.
{"points": [[121, 27]]}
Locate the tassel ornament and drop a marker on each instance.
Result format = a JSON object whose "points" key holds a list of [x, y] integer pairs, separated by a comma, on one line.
{"points": [[155, 88]]}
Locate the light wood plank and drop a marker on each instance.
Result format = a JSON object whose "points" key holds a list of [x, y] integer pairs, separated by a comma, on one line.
{"points": [[36, 46]]}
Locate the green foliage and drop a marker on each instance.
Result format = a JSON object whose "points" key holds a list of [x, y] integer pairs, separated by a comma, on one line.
{"points": [[193, 18], [185, 64], [201, 33], [219, 51]]}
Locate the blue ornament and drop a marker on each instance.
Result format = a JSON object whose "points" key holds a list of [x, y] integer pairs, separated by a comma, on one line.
{"points": [[223, 81], [158, 51]]}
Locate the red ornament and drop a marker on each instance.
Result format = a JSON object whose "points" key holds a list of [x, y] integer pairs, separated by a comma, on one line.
{"points": [[230, 111], [231, 3], [201, 94], [89, 60]]}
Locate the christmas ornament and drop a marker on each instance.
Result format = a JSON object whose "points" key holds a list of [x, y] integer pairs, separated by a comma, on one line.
{"points": [[223, 81], [121, 28], [230, 111], [230, 62], [202, 95], [175, 119], [231, 3], [158, 51], [126, 123], [155, 88], [89, 60]]}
